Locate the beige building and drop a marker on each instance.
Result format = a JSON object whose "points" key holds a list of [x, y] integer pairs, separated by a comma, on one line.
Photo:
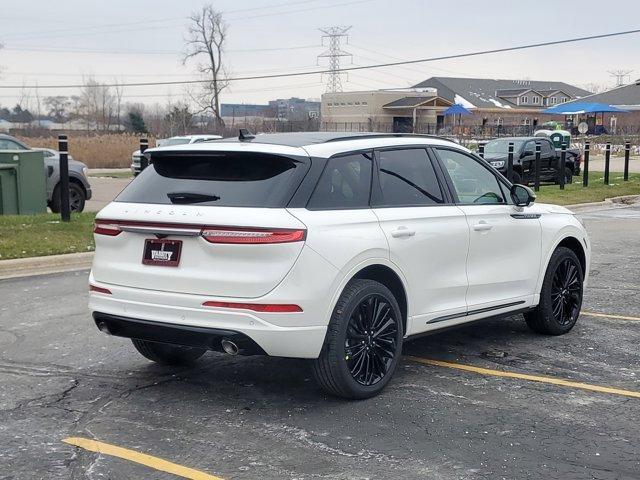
{"points": [[383, 111]]}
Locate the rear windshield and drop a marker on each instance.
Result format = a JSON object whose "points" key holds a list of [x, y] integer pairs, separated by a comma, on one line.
{"points": [[229, 179]]}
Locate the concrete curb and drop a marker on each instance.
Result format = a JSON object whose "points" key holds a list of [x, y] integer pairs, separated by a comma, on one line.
{"points": [[607, 204], [27, 267]]}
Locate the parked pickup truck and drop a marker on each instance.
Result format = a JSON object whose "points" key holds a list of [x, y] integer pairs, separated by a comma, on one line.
{"points": [[524, 155]]}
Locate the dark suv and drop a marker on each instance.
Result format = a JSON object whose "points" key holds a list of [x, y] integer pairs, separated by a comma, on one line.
{"points": [[496, 152]]}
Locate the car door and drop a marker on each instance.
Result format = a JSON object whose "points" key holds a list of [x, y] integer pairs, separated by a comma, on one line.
{"points": [[548, 167], [427, 234], [504, 240]]}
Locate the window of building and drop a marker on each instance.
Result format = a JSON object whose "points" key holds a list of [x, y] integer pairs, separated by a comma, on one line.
{"points": [[407, 178], [329, 104], [524, 99], [357, 103], [365, 103], [535, 99], [345, 183], [553, 100]]}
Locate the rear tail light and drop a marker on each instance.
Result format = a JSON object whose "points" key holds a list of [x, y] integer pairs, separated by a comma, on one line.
{"points": [[256, 307], [252, 235], [102, 227], [96, 289]]}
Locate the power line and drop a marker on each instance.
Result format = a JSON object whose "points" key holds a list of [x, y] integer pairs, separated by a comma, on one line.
{"points": [[346, 69]]}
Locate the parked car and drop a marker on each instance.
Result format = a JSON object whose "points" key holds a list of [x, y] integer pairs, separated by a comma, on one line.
{"points": [[334, 247], [79, 187], [496, 153], [180, 140]]}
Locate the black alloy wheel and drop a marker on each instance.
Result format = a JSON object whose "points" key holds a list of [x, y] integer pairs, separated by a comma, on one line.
{"points": [[370, 344], [566, 292]]}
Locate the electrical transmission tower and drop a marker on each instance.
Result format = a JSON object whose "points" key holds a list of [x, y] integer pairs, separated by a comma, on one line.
{"points": [[334, 35], [621, 76]]}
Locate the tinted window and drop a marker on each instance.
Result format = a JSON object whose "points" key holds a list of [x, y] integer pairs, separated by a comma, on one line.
{"points": [[546, 147], [472, 182], [407, 178], [345, 183], [228, 179]]}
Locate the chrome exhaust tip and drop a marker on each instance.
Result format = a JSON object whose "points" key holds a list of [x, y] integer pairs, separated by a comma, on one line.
{"points": [[229, 347], [104, 328]]}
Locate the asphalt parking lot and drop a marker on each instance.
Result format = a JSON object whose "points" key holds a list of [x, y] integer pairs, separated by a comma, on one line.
{"points": [[487, 401]]}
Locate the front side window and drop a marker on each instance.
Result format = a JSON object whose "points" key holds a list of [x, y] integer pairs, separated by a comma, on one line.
{"points": [[407, 178], [345, 183], [472, 182]]}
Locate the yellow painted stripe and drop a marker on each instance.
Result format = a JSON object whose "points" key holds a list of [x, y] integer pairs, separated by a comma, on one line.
{"points": [[523, 376], [607, 315], [141, 458]]}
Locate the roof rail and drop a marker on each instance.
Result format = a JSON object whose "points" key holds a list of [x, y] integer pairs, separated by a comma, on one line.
{"points": [[385, 135]]}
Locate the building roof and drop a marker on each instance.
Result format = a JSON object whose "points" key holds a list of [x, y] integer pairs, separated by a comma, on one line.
{"points": [[625, 96], [413, 102], [481, 92], [512, 92]]}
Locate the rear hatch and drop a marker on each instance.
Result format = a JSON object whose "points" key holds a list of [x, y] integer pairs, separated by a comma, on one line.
{"points": [[203, 222]]}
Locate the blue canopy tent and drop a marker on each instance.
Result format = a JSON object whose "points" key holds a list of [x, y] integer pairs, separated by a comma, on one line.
{"points": [[574, 108], [582, 108], [457, 109]]}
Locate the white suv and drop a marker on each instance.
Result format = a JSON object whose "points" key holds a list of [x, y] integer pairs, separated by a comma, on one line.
{"points": [[334, 247]]}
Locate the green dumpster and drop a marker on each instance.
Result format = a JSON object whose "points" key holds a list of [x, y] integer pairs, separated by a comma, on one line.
{"points": [[22, 182]]}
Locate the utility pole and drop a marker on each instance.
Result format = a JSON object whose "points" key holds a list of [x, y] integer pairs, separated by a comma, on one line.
{"points": [[334, 35], [621, 76]]}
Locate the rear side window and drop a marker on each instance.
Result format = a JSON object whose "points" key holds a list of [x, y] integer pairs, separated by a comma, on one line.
{"points": [[229, 179], [345, 183], [407, 178]]}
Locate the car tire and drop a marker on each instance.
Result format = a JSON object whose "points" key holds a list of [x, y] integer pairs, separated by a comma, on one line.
{"points": [[350, 369], [516, 178], [77, 198], [560, 297], [568, 176], [166, 354]]}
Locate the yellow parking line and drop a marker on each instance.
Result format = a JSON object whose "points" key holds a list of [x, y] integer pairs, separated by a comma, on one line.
{"points": [[141, 458], [606, 315], [523, 376]]}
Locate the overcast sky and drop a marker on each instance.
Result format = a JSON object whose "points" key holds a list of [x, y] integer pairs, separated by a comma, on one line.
{"points": [[60, 42]]}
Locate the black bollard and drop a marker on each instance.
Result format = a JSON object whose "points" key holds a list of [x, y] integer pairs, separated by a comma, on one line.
{"points": [[585, 170], [607, 162], [563, 165], [627, 153], [510, 162], [63, 148], [536, 184], [481, 150], [144, 161]]}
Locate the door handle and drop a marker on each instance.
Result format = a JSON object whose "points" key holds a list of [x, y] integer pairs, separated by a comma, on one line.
{"points": [[402, 232], [482, 226]]}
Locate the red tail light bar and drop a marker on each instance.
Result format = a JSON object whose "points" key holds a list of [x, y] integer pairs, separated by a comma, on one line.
{"points": [[256, 307], [96, 289], [212, 234]]}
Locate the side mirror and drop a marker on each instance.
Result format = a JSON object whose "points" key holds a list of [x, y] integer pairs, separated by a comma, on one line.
{"points": [[522, 196]]}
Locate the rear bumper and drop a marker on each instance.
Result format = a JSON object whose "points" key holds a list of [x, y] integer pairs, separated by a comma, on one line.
{"points": [[209, 338], [179, 318]]}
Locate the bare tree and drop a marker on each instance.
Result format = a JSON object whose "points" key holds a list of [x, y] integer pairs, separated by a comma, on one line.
{"points": [[97, 105], [119, 90], [206, 42], [57, 107]]}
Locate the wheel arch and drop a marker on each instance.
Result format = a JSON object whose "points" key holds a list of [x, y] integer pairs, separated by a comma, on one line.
{"points": [[571, 241], [391, 279]]}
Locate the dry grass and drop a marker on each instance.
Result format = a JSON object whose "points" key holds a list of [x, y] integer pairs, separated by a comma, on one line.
{"points": [[97, 151]]}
